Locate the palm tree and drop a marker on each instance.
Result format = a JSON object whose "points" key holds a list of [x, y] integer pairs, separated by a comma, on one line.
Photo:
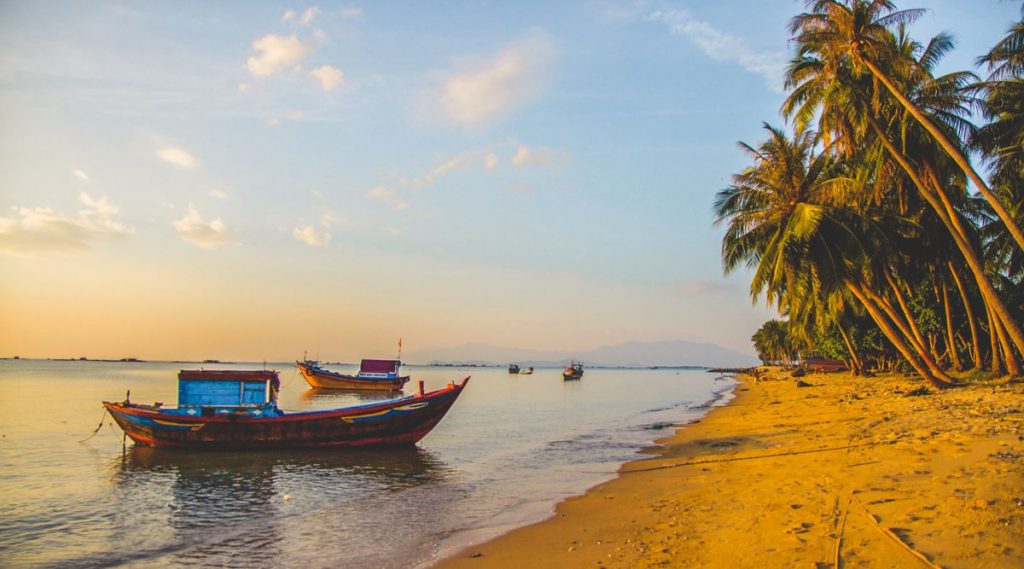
{"points": [[772, 343], [856, 34], [854, 113], [788, 221], [1001, 142]]}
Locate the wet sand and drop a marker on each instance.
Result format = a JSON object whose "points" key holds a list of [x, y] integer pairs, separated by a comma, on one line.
{"points": [[845, 472]]}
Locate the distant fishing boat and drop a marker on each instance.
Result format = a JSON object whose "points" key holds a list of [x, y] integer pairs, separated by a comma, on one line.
{"points": [[375, 375], [526, 371], [513, 368], [573, 371], [238, 409]]}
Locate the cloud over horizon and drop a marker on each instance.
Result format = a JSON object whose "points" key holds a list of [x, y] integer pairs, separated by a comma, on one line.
{"points": [[526, 156], [487, 90], [203, 234], [43, 229], [311, 236], [275, 53], [388, 196], [178, 157], [329, 77]]}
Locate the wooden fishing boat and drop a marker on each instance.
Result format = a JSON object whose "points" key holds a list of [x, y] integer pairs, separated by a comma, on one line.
{"points": [[573, 371], [526, 371], [376, 375], [238, 409], [513, 368]]}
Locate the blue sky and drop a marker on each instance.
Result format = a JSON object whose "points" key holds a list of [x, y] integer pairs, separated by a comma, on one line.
{"points": [[248, 180]]}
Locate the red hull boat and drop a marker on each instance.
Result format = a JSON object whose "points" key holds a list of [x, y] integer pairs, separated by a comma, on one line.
{"points": [[203, 421]]}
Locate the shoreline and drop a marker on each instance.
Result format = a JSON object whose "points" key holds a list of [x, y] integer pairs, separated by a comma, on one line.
{"points": [[540, 510], [847, 471]]}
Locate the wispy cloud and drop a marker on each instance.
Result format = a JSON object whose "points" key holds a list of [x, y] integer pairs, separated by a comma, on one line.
{"points": [[331, 218], [721, 46], [178, 157], [480, 93], [288, 16], [206, 235], [525, 156], [309, 14], [42, 229], [219, 194], [460, 163], [81, 175], [389, 196], [311, 235], [329, 77], [275, 53], [484, 160]]}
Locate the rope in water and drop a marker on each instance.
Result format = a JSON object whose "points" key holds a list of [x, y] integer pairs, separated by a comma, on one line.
{"points": [[98, 427]]}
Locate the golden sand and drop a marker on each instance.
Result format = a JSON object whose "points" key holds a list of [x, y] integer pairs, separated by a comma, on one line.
{"points": [[847, 472]]}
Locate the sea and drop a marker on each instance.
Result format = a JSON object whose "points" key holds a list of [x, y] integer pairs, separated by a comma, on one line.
{"points": [[510, 448]]}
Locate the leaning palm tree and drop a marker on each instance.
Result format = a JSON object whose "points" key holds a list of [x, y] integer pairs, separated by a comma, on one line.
{"points": [[853, 113], [1001, 142], [787, 221], [857, 34]]}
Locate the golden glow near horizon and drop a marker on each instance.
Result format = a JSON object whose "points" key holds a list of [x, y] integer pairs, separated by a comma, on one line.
{"points": [[202, 181]]}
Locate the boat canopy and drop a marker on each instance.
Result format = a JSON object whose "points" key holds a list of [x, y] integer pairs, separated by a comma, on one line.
{"points": [[227, 374], [227, 388], [379, 366]]}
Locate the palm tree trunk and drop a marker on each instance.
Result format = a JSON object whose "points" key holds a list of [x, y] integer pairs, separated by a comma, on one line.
{"points": [[857, 365], [1012, 365], [893, 337], [954, 358], [906, 310], [1008, 323], [953, 152], [949, 219], [993, 336], [920, 347], [975, 341], [933, 347]]}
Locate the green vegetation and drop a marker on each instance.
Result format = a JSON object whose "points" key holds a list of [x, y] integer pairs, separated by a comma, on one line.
{"points": [[867, 224]]}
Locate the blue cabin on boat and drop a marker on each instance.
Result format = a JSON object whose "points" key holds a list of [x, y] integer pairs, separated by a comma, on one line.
{"points": [[227, 388]]}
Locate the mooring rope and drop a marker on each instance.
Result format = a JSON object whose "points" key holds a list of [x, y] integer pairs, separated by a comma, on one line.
{"points": [[98, 427]]}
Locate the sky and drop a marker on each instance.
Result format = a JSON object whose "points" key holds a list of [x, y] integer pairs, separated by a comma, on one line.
{"points": [[250, 180]]}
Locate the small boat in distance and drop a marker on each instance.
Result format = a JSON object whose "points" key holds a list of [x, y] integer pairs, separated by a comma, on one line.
{"points": [[526, 371], [374, 375], [238, 409], [513, 368], [573, 371]]}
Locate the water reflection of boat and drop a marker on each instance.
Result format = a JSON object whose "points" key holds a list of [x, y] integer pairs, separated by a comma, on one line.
{"points": [[342, 397], [388, 467], [573, 371], [374, 375], [224, 509], [238, 409]]}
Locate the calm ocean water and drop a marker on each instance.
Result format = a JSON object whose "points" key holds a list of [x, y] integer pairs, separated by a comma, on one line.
{"points": [[510, 448]]}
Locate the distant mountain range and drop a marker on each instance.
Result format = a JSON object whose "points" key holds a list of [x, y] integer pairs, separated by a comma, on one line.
{"points": [[628, 354]]}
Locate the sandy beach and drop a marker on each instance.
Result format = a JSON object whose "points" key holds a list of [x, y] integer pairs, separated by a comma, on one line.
{"points": [[842, 472]]}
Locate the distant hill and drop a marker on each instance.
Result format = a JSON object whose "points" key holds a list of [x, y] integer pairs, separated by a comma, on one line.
{"points": [[628, 354]]}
